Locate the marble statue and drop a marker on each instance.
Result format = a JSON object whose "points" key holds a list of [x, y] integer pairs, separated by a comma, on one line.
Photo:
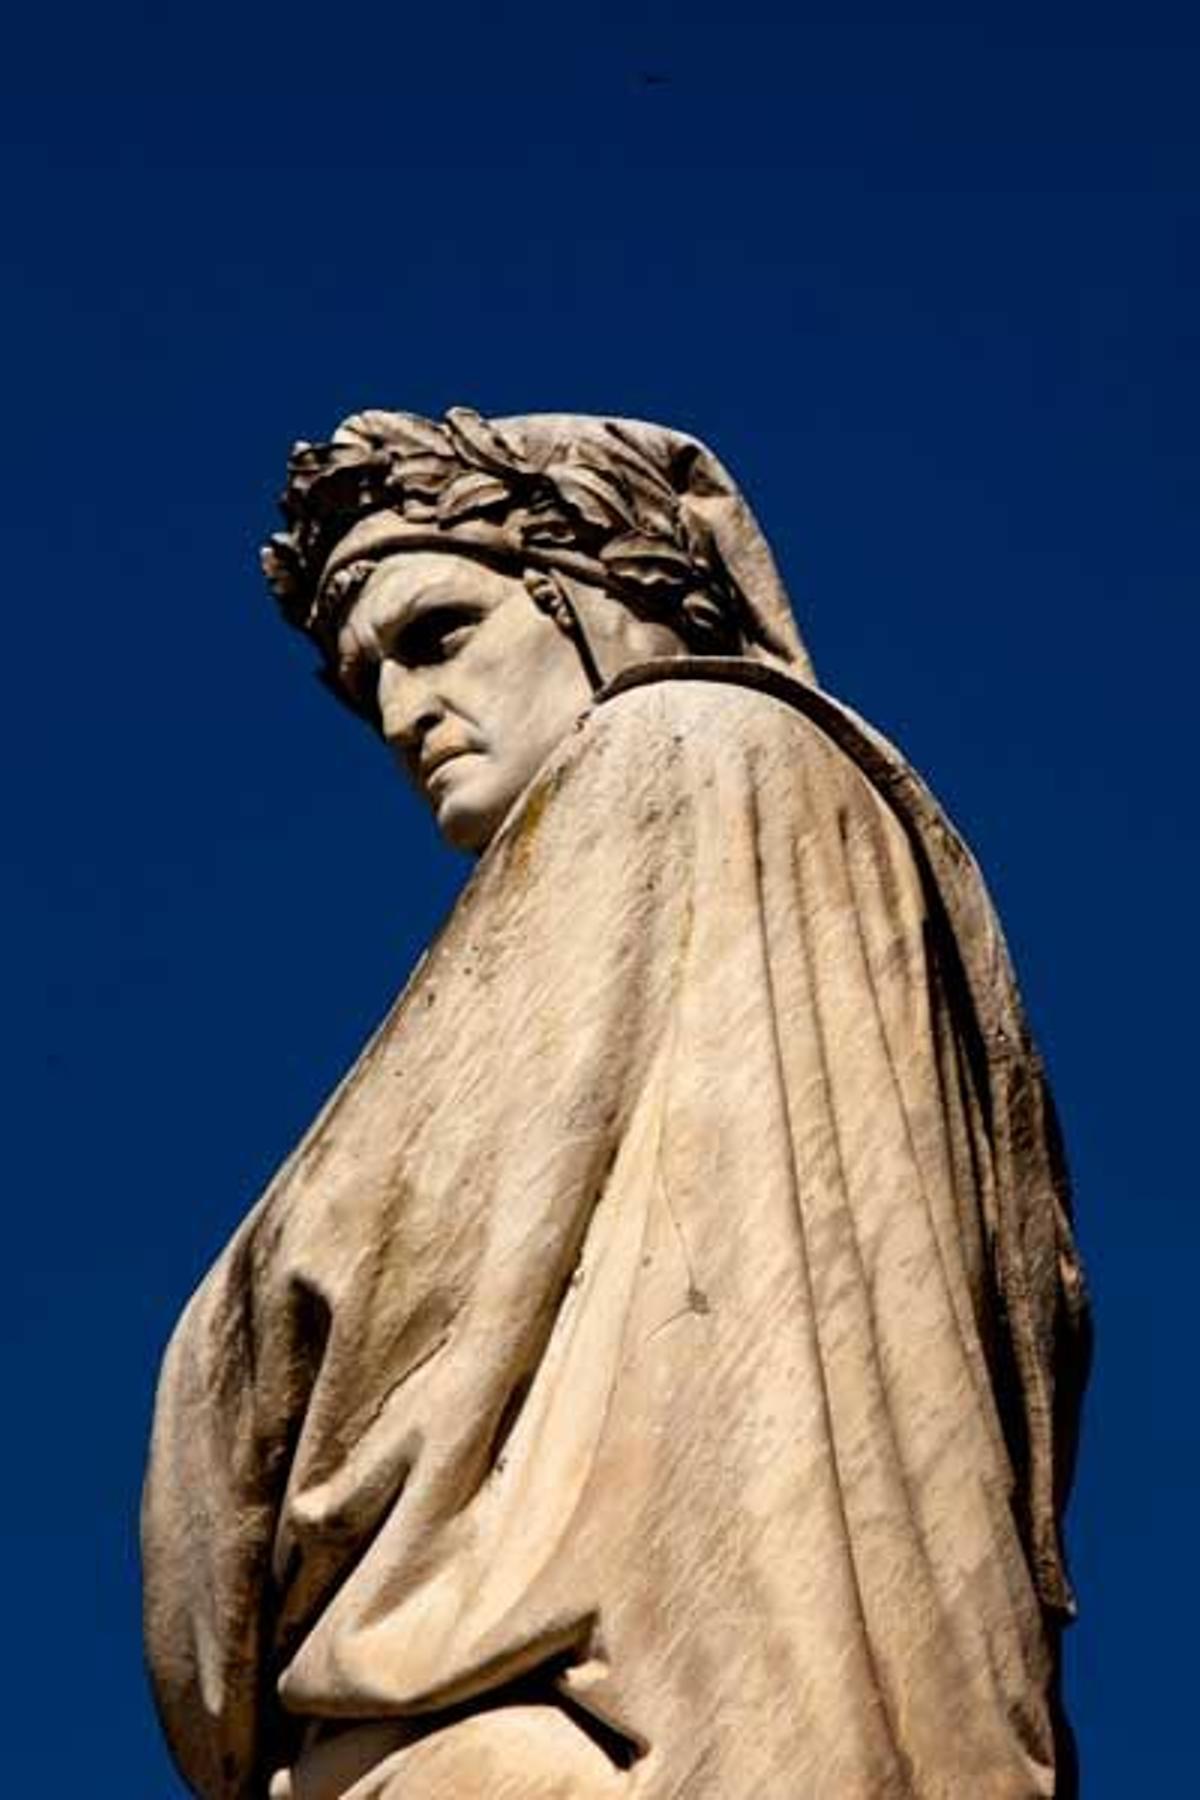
{"points": [[655, 1374]]}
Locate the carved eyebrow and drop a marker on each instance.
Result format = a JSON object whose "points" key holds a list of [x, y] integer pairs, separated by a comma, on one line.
{"points": [[436, 598], [413, 632]]}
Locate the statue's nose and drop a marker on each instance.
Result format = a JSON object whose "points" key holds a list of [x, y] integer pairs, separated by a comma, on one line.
{"points": [[407, 707]]}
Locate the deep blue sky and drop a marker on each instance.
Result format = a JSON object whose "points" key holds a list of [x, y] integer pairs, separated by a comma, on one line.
{"points": [[928, 283]]}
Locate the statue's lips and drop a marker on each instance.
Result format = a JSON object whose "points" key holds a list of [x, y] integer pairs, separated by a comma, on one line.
{"points": [[432, 761]]}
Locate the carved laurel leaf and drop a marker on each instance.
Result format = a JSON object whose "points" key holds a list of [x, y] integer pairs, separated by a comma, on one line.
{"points": [[649, 561], [281, 565], [344, 586], [405, 433], [328, 470], [593, 495], [424, 475], [547, 527], [355, 432], [705, 614], [480, 443], [639, 544], [418, 436], [343, 488], [309, 459], [474, 492]]}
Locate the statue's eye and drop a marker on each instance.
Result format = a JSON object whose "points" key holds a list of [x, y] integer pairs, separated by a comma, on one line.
{"points": [[436, 635]]}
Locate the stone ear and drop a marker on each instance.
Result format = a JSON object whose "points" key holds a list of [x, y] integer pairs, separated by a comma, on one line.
{"points": [[549, 594]]}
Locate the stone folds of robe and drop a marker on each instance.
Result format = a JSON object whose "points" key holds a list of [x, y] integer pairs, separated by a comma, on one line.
{"points": [[652, 1374]]}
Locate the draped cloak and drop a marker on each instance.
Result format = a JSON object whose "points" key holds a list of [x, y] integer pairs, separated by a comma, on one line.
{"points": [[654, 1372]]}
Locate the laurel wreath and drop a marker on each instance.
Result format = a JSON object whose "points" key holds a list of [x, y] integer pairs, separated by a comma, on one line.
{"points": [[602, 496]]}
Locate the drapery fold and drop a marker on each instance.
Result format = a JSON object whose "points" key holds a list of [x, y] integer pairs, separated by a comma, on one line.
{"points": [[673, 1316]]}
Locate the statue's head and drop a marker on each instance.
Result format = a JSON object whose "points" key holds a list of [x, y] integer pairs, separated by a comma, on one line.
{"points": [[470, 584]]}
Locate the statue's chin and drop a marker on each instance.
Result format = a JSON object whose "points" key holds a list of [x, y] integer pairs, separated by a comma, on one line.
{"points": [[463, 805], [465, 826], [471, 796]]}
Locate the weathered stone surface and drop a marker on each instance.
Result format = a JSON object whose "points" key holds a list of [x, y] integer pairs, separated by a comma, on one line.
{"points": [[655, 1372]]}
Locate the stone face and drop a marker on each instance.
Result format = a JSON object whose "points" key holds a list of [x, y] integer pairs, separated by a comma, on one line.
{"points": [[655, 1373]]}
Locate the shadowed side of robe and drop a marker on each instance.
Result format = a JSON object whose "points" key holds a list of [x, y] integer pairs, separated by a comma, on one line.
{"points": [[659, 1325]]}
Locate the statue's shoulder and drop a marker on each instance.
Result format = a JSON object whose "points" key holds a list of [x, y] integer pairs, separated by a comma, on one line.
{"points": [[690, 718], [714, 709], [726, 694], [668, 746]]}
